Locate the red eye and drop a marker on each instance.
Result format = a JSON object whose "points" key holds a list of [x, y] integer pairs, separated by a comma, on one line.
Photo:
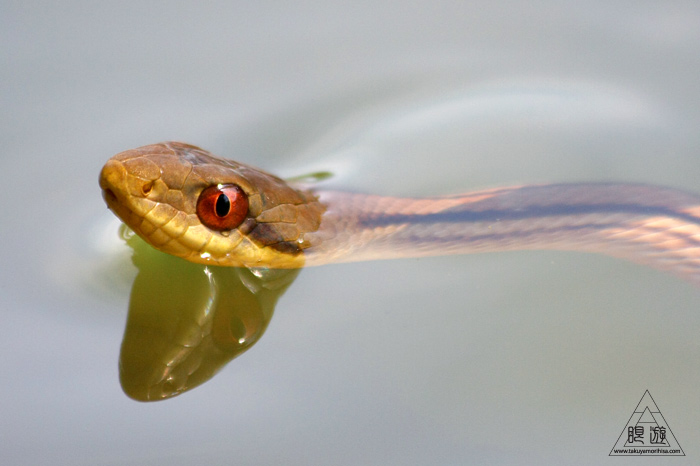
{"points": [[222, 207]]}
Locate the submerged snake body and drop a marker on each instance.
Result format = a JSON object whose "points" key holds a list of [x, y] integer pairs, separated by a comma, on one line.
{"points": [[155, 190]]}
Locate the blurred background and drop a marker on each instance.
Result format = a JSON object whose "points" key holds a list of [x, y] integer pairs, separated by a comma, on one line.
{"points": [[511, 358]]}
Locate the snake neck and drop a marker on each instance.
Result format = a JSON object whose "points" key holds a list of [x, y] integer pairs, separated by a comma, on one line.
{"points": [[651, 225]]}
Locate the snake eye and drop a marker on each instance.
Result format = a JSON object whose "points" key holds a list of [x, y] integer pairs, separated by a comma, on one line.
{"points": [[222, 207]]}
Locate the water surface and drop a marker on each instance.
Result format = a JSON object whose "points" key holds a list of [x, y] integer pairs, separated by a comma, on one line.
{"points": [[490, 359]]}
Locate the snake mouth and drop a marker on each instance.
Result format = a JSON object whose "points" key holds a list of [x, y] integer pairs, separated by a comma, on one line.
{"points": [[112, 179], [109, 196], [116, 206]]}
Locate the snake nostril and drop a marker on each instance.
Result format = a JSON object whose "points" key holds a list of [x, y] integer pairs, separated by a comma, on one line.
{"points": [[147, 188]]}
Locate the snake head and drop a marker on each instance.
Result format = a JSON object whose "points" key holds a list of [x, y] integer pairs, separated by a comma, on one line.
{"points": [[179, 198]]}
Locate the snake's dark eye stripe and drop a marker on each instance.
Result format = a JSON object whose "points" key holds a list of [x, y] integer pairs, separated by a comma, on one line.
{"points": [[222, 207]]}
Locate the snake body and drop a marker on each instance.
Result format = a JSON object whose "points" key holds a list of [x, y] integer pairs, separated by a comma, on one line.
{"points": [[157, 190]]}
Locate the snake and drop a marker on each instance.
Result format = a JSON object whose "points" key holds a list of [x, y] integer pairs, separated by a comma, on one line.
{"points": [[206, 209]]}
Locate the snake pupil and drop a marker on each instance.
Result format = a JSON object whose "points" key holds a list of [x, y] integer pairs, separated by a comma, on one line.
{"points": [[223, 205]]}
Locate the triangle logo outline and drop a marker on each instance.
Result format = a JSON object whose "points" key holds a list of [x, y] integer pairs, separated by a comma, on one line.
{"points": [[647, 433]]}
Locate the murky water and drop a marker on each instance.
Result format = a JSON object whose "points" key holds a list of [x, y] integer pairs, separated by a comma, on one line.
{"points": [[489, 359]]}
